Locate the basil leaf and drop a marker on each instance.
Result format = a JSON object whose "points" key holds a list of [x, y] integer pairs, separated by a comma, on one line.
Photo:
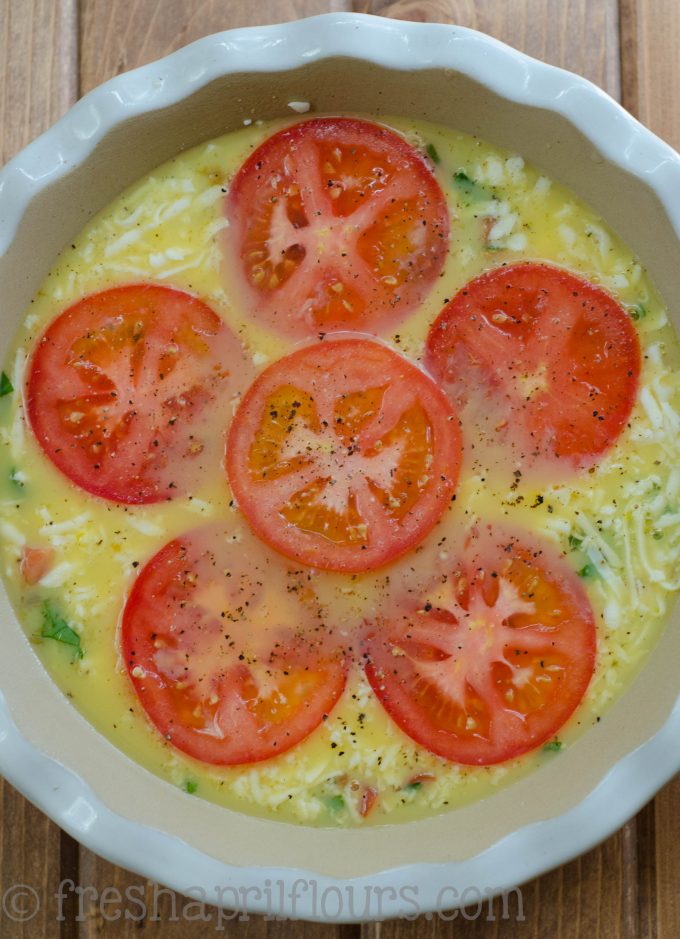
{"points": [[431, 151], [553, 746], [468, 188], [335, 803], [6, 386], [54, 626]]}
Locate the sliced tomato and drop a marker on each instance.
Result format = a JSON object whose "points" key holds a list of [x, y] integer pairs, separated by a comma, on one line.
{"points": [[35, 563], [540, 361], [490, 656], [127, 387], [343, 455], [225, 649], [335, 223]]}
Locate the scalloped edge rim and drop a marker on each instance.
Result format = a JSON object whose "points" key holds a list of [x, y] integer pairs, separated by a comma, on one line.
{"points": [[401, 46]]}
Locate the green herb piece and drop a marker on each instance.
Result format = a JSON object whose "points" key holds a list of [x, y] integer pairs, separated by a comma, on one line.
{"points": [[469, 188], [190, 786], [588, 570], [335, 803], [413, 786], [657, 535], [431, 151], [637, 311], [15, 478], [6, 386], [553, 746], [574, 542], [54, 626]]}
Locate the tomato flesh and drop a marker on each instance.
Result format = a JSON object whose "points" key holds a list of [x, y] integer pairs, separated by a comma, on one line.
{"points": [[491, 656], [35, 563], [540, 362], [335, 223], [126, 388], [343, 455], [225, 649]]}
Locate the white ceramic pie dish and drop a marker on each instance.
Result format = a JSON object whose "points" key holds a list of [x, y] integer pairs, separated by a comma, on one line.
{"points": [[116, 134]]}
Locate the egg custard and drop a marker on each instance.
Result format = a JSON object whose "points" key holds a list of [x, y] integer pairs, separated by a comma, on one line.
{"points": [[340, 470]]}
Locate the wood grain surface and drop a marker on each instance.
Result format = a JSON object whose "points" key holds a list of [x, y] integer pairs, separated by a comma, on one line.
{"points": [[52, 51]]}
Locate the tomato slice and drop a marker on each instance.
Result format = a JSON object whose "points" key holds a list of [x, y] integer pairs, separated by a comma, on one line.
{"points": [[540, 362], [343, 455], [125, 390], [225, 649], [335, 223], [490, 656]]}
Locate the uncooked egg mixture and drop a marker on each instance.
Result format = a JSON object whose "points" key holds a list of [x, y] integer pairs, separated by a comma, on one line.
{"points": [[401, 521]]}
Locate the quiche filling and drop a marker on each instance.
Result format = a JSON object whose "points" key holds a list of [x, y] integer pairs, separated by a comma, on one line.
{"points": [[340, 470]]}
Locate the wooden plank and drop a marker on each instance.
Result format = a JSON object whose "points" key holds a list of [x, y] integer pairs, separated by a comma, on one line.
{"points": [[665, 864], [581, 35], [650, 85], [118, 35], [650, 64], [38, 51], [647, 876], [29, 869]]}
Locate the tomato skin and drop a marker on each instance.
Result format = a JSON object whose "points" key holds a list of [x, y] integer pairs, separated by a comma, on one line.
{"points": [[335, 224], [385, 507], [123, 387], [488, 657], [545, 364], [225, 651]]}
